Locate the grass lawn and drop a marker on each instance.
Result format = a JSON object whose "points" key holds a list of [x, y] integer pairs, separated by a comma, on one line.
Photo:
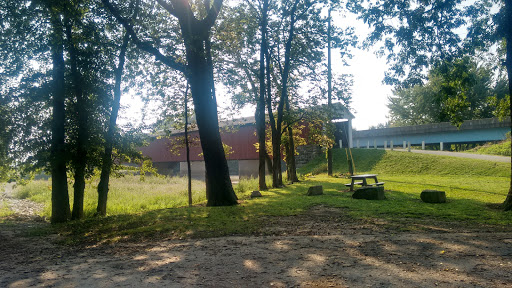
{"points": [[157, 207], [503, 148]]}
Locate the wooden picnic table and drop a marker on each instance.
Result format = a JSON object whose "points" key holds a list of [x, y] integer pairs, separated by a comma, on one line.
{"points": [[363, 181]]}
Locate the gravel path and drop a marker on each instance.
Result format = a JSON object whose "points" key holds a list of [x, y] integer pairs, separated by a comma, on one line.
{"points": [[321, 248]]}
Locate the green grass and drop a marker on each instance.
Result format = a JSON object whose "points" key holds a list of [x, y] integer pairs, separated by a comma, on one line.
{"points": [[502, 149], [157, 208], [401, 163], [4, 210], [128, 195]]}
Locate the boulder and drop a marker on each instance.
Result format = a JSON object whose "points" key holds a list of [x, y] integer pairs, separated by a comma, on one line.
{"points": [[433, 196], [315, 190], [255, 194], [370, 193]]}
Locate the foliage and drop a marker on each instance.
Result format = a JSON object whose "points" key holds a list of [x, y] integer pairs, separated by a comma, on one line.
{"points": [[416, 35], [455, 91]]}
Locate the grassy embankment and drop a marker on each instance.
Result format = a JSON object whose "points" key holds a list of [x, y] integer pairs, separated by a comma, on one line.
{"points": [[502, 148], [474, 189]]}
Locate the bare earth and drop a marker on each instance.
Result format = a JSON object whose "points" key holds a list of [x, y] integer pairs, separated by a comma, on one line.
{"points": [[320, 248]]}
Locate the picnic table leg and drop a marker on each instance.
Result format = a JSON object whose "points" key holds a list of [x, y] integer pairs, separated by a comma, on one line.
{"points": [[352, 185], [364, 182]]}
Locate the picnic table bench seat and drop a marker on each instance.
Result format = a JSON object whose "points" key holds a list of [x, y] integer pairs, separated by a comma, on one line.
{"points": [[355, 183], [376, 184]]}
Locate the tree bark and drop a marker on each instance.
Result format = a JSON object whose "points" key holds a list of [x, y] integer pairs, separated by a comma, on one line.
{"points": [[80, 157], [260, 107], [106, 166], [218, 183], [329, 93], [187, 147], [507, 205], [60, 197], [290, 164], [276, 136], [292, 174]]}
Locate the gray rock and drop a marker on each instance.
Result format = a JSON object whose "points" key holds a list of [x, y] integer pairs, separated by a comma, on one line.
{"points": [[255, 194], [433, 196], [315, 190], [370, 193]]}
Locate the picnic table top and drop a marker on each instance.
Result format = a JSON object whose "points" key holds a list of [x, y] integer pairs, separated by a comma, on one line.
{"points": [[364, 176]]}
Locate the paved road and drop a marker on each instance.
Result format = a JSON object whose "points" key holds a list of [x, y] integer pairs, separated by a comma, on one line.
{"points": [[460, 154]]}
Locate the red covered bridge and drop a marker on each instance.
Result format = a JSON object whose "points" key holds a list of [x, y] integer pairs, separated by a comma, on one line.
{"points": [[170, 159]]}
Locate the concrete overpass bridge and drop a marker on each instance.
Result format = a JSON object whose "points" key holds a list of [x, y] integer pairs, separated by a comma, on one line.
{"points": [[471, 131]]}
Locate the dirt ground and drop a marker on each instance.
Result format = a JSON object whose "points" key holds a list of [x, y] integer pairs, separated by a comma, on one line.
{"points": [[320, 248]]}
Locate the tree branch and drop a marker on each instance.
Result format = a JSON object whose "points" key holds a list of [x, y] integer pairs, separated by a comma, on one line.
{"points": [[145, 46], [167, 7], [210, 18]]}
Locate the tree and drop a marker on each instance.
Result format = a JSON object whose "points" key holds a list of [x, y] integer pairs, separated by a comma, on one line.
{"points": [[260, 106], [455, 91], [103, 185], [329, 89], [242, 74], [199, 72], [426, 34], [505, 30], [60, 198]]}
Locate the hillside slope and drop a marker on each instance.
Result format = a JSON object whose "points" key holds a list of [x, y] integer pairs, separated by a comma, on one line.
{"points": [[394, 162]]}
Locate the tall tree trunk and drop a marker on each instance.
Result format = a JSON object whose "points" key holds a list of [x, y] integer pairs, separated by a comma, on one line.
{"points": [[60, 197], [195, 34], [507, 205], [80, 158], [187, 147], [106, 165], [329, 94], [218, 183], [260, 107], [276, 136], [290, 163], [284, 92]]}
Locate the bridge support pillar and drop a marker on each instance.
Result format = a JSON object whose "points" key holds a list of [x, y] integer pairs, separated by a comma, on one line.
{"points": [[374, 144], [385, 145], [391, 145], [368, 145], [441, 146], [357, 143], [422, 145], [409, 146], [405, 144]]}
